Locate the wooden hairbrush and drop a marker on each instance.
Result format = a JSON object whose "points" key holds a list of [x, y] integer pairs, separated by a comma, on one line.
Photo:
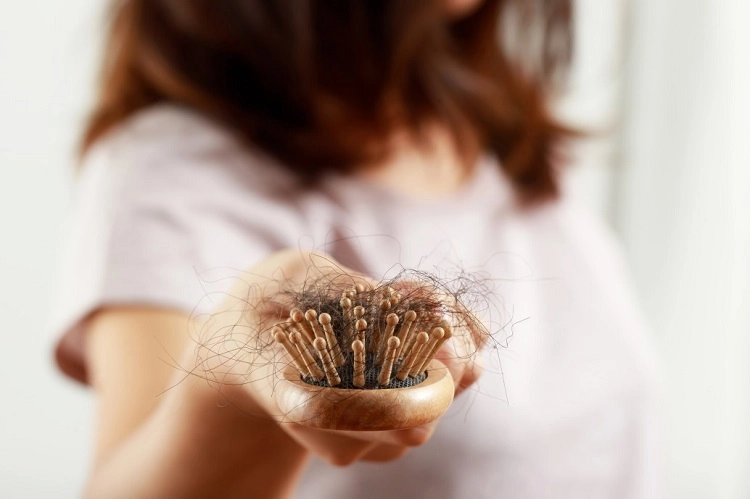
{"points": [[364, 360]]}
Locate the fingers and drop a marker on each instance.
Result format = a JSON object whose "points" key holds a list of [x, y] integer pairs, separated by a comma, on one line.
{"points": [[342, 448], [264, 297], [385, 453], [461, 356], [334, 448], [472, 371], [410, 437]]}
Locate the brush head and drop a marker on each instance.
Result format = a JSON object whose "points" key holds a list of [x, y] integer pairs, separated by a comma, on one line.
{"points": [[371, 375], [375, 347], [366, 409]]}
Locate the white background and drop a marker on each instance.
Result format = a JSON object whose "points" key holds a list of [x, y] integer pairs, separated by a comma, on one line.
{"points": [[670, 78]]}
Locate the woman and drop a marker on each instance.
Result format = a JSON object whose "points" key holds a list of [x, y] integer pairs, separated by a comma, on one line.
{"points": [[232, 135]]}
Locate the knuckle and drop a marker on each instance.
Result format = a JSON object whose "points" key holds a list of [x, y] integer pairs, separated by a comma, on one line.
{"points": [[346, 457], [471, 375], [414, 437], [342, 460]]}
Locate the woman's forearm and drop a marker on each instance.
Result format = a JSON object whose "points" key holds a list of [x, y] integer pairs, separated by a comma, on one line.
{"points": [[192, 440], [198, 443]]}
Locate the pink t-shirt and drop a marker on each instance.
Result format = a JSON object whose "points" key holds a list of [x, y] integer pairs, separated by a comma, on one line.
{"points": [[169, 207]]}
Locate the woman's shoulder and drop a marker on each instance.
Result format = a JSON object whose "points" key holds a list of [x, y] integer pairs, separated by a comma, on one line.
{"points": [[168, 170], [166, 124], [172, 144], [164, 129]]}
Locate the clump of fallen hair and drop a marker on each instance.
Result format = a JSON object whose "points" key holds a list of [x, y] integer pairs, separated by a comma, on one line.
{"points": [[349, 334], [289, 327]]}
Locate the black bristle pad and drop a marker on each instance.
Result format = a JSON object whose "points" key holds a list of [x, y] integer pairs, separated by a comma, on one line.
{"points": [[372, 371]]}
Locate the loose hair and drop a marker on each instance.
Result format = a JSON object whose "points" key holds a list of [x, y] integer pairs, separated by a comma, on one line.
{"points": [[322, 85]]}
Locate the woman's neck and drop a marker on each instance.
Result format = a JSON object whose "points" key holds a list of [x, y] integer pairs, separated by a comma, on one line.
{"points": [[428, 168]]}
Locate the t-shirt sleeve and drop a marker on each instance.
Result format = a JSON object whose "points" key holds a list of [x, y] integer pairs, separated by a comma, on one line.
{"points": [[166, 210]]}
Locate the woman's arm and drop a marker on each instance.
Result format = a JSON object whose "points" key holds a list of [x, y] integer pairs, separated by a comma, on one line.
{"points": [[164, 433], [160, 435]]}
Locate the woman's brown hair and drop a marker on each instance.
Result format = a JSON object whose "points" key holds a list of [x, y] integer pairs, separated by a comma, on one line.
{"points": [[322, 85]]}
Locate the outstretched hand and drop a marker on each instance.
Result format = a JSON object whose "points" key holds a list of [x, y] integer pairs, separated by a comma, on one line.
{"points": [[237, 353]]}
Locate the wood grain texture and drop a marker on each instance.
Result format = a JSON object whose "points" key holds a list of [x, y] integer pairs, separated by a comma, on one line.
{"points": [[366, 410]]}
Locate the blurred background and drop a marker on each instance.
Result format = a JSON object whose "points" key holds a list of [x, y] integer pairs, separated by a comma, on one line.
{"points": [[666, 81]]}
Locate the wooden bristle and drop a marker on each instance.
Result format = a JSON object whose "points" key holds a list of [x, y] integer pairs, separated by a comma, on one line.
{"points": [[436, 340], [359, 363], [361, 328], [359, 312], [301, 324], [447, 327], [282, 339], [307, 358], [391, 322], [312, 319], [384, 379], [332, 374], [374, 340], [448, 334], [411, 358], [395, 299], [347, 312], [421, 357], [333, 343], [403, 333]]}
